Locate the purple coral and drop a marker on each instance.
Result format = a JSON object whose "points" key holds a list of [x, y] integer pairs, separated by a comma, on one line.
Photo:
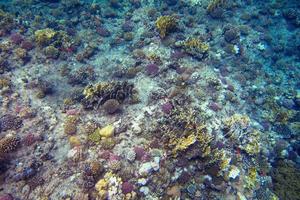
{"points": [[167, 108], [9, 121], [214, 106], [140, 152], [127, 187], [27, 45], [127, 26], [104, 32], [16, 38], [6, 197], [152, 69]]}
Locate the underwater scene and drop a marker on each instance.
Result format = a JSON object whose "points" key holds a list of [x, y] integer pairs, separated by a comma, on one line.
{"points": [[150, 100]]}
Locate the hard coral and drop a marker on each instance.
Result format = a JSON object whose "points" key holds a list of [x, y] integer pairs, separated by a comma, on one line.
{"points": [[9, 144], [111, 106], [44, 37], [70, 125], [96, 95], [194, 47], [9, 121], [286, 178], [238, 129], [6, 21], [165, 24], [214, 4]]}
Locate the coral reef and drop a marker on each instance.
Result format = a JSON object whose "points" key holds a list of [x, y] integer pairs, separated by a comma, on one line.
{"points": [[286, 180]]}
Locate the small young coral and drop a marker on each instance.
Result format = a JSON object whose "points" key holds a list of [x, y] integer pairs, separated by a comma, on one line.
{"points": [[165, 24]]}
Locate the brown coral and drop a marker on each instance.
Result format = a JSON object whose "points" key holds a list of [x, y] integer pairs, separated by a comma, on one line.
{"points": [[165, 24], [9, 144]]}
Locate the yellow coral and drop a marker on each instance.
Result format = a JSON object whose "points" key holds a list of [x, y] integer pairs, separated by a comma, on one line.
{"points": [[4, 82], [102, 133], [44, 36], [252, 146], [101, 187], [74, 141], [70, 125], [251, 179], [92, 90], [184, 143], [194, 43], [165, 24]]}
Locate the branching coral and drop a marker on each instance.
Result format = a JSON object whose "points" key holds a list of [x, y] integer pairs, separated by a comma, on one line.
{"points": [[238, 129], [8, 122], [165, 24], [187, 136], [214, 4], [9, 143], [194, 47], [44, 37], [6, 21], [98, 94]]}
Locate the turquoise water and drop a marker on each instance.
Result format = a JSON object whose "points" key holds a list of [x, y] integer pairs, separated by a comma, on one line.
{"points": [[189, 99]]}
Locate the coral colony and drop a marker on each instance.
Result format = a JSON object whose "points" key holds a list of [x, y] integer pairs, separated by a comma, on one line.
{"points": [[149, 100]]}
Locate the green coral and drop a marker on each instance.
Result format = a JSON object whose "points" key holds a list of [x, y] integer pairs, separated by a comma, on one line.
{"points": [[165, 24]]}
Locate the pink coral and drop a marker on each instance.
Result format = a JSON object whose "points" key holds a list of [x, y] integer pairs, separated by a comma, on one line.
{"points": [[127, 187], [152, 69], [6, 197], [167, 108], [140, 152], [27, 45], [16, 38]]}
